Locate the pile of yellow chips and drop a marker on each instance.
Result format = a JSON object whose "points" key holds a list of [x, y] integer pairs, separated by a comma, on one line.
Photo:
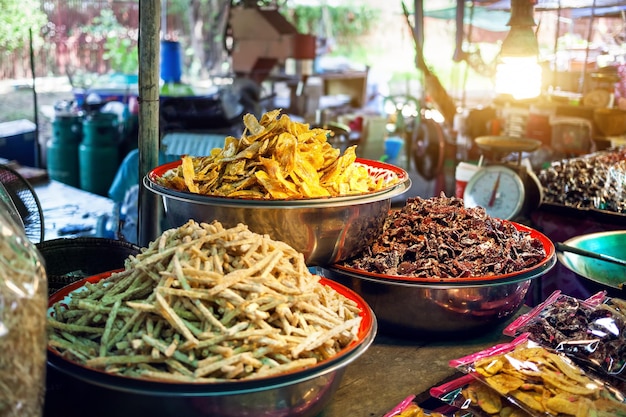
{"points": [[275, 158]]}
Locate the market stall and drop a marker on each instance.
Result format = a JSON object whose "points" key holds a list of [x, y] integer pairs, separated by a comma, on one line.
{"points": [[285, 283]]}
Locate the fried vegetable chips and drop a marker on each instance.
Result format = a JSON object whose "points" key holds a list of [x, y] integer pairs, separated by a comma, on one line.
{"points": [[275, 158]]}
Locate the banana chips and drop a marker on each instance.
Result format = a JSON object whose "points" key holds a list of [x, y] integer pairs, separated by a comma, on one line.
{"points": [[275, 158]]}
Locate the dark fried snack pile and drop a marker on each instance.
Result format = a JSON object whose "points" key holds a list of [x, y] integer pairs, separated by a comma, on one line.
{"points": [[594, 334], [439, 238]]}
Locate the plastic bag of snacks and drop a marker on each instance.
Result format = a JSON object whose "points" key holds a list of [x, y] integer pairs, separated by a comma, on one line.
{"points": [[541, 381], [468, 394], [591, 331], [23, 306], [410, 408]]}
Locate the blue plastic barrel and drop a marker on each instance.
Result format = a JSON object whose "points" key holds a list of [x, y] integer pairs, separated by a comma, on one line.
{"points": [[171, 61]]}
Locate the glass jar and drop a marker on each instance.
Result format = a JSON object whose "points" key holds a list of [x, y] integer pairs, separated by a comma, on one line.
{"points": [[23, 307]]}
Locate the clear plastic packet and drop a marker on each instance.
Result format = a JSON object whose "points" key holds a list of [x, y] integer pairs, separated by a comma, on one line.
{"points": [[591, 331], [409, 407], [541, 381], [480, 400], [23, 306]]}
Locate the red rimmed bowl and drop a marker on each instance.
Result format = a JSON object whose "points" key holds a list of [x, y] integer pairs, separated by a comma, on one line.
{"points": [[325, 230], [300, 393], [444, 307]]}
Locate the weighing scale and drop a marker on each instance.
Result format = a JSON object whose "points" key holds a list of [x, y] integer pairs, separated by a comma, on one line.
{"points": [[506, 190]]}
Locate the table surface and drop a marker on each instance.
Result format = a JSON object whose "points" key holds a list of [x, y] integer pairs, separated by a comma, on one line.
{"points": [[70, 211], [394, 368]]}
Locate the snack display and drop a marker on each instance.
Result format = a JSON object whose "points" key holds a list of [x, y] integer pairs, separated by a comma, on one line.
{"points": [[275, 158], [542, 382], [585, 182], [439, 237], [476, 398], [408, 408], [203, 303], [590, 331]]}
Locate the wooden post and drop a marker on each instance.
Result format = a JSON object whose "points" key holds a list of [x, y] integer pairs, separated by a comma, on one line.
{"points": [[148, 141]]}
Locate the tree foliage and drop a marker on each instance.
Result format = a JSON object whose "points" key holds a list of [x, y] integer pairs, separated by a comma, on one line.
{"points": [[206, 22], [18, 17], [120, 42]]}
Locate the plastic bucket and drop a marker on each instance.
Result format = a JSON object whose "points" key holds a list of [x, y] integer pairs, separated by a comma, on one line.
{"points": [[463, 173], [393, 146], [171, 62], [571, 135]]}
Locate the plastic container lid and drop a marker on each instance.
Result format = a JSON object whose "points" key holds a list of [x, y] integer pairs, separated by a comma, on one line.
{"points": [[569, 120]]}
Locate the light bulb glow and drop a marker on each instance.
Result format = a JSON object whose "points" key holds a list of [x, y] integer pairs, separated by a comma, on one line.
{"points": [[519, 77]]}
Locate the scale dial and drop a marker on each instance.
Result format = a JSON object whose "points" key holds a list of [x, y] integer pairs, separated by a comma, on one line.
{"points": [[498, 189]]}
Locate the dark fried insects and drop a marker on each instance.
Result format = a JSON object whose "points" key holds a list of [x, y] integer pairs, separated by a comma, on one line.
{"points": [[439, 237], [593, 334]]}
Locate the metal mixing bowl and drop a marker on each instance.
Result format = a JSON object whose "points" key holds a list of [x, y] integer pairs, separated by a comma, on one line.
{"points": [[300, 393], [443, 307], [325, 230]]}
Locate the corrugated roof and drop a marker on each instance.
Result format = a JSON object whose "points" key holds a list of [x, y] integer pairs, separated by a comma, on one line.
{"points": [[554, 4]]}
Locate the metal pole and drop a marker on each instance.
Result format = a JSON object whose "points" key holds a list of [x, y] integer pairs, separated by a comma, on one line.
{"points": [[148, 141], [38, 163], [583, 81], [556, 42]]}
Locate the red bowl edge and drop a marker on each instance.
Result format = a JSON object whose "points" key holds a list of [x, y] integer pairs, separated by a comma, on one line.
{"points": [[366, 326]]}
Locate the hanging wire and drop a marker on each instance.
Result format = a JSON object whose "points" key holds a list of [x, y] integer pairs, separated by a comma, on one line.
{"points": [[556, 41], [470, 31], [583, 83]]}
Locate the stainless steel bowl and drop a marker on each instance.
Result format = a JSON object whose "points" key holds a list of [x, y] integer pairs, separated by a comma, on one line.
{"points": [[301, 393], [415, 307], [325, 230]]}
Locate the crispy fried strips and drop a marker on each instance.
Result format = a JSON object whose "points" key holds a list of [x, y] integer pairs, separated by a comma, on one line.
{"points": [[204, 303]]}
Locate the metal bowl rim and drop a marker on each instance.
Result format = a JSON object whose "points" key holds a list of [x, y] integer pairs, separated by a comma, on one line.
{"points": [[151, 387], [403, 184], [205, 200], [443, 284]]}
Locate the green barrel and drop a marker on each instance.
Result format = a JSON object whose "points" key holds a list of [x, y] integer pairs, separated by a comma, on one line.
{"points": [[98, 154], [101, 128], [62, 149]]}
